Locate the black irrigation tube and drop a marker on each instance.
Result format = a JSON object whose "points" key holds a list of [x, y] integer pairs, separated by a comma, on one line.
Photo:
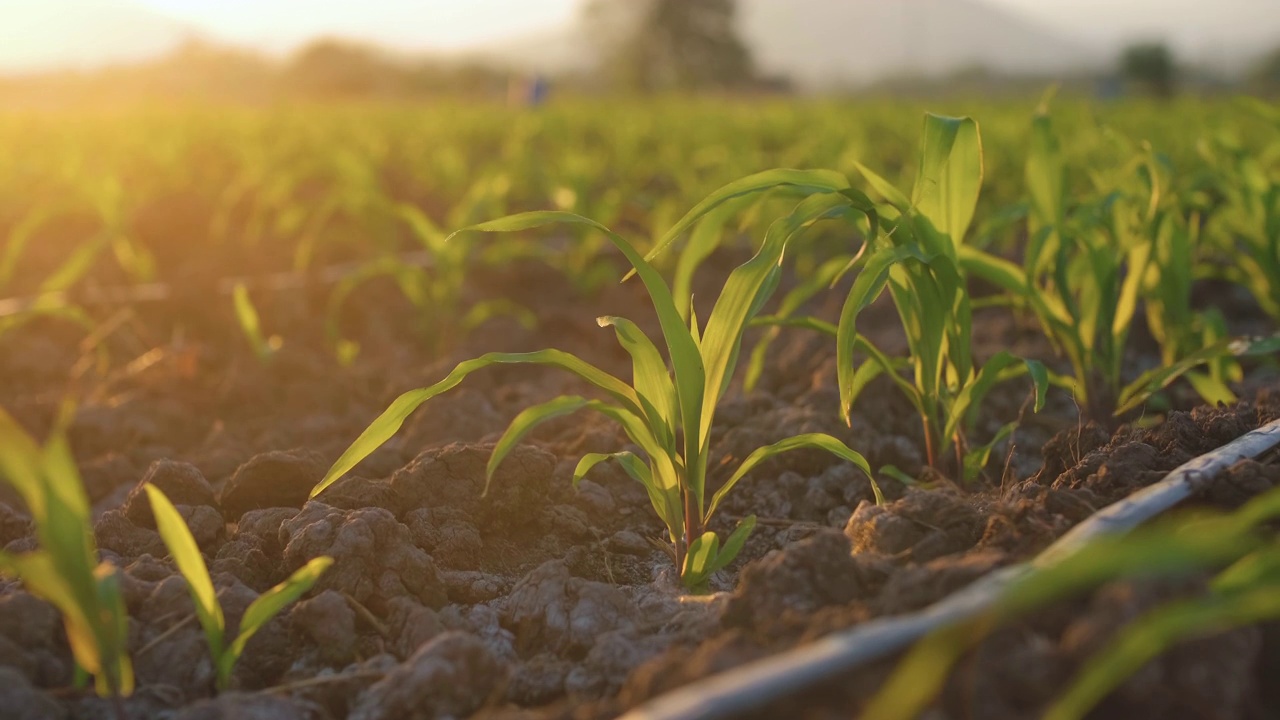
{"points": [[754, 685], [157, 292]]}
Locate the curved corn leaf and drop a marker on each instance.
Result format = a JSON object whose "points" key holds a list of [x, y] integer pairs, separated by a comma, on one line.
{"points": [[686, 358], [734, 544], [976, 459], [703, 240], [886, 189], [745, 291], [389, 422], [42, 578], [251, 324], [995, 270], [650, 377], [664, 499], [1149, 383], [807, 181], [630, 462], [662, 480], [866, 288], [21, 464], [425, 230], [186, 555], [1211, 390], [700, 560], [266, 606], [993, 371], [817, 441], [524, 423]]}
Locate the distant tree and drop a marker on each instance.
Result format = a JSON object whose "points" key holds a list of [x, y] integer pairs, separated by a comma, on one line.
{"points": [[654, 45], [1150, 66], [335, 68], [1265, 75]]}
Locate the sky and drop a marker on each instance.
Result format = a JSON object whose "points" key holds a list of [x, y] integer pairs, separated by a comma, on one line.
{"points": [[444, 24], [1193, 25], [35, 33]]}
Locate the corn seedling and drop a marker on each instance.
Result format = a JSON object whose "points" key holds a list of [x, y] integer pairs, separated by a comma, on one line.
{"points": [[917, 258], [668, 413], [1086, 269], [1243, 205], [65, 571], [264, 347], [436, 290], [186, 555]]}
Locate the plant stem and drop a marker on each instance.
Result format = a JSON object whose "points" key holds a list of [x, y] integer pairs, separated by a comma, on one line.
{"points": [[931, 453]]}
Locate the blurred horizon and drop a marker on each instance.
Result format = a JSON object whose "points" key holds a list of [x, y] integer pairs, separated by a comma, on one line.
{"points": [[1223, 32], [806, 45]]}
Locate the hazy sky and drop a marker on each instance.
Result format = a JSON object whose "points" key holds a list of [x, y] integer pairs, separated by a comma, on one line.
{"points": [[52, 33], [1194, 24], [438, 23]]}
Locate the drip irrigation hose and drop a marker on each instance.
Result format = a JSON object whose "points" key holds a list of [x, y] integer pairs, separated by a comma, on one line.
{"points": [[754, 685], [156, 292]]}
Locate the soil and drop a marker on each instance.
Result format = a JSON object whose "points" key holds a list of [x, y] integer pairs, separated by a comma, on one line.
{"points": [[538, 601]]}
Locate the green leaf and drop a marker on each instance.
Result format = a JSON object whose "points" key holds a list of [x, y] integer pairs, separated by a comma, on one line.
{"points": [[817, 441], [974, 392], [21, 463], [251, 324], [1149, 383], [268, 605], [820, 280], [703, 241], [664, 497], [389, 422], [650, 377], [886, 189], [746, 290], [700, 560], [897, 474], [686, 358], [995, 270], [186, 555], [866, 288], [1045, 172], [734, 544], [1211, 390], [950, 178], [807, 181], [975, 461], [629, 461], [526, 421]]}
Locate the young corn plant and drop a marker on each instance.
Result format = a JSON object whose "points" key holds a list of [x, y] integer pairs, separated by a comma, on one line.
{"points": [[1184, 333], [667, 412], [436, 290], [918, 259], [65, 571], [1243, 210], [1086, 270], [186, 555]]}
